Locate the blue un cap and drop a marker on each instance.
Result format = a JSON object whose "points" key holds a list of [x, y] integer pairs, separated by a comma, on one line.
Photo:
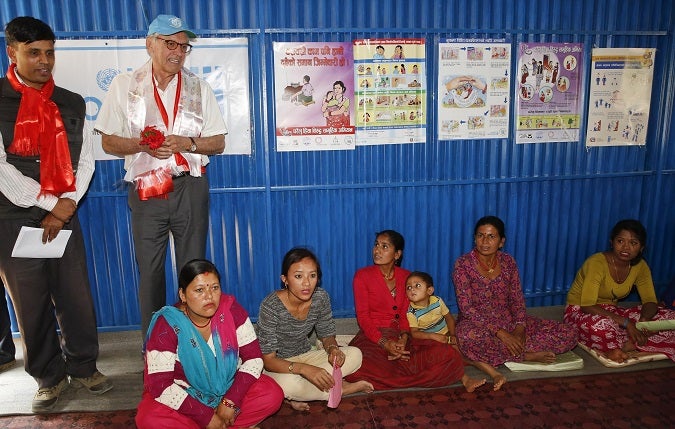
{"points": [[167, 25]]}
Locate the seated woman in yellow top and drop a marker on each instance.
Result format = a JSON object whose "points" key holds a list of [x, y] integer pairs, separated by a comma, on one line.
{"points": [[603, 280]]}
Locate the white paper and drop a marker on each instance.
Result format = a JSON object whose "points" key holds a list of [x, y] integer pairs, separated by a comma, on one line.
{"points": [[656, 325], [29, 244]]}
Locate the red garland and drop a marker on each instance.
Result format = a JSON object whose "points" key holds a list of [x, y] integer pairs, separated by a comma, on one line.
{"points": [[152, 137]]}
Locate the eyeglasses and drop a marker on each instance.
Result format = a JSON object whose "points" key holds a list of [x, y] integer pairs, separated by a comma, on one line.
{"points": [[488, 237], [172, 45]]}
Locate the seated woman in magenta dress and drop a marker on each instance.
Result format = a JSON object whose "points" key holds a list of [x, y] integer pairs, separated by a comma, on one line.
{"points": [[203, 362], [391, 357], [493, 325], [603, 280]]}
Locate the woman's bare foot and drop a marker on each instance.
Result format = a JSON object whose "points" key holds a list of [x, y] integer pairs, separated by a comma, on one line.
{"points": [[629, 346], [358, 386], [298, 405], [543, 357], [471, 384], [498, 380], [617, 355]]}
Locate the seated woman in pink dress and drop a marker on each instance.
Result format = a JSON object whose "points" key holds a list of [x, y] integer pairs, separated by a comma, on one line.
{"points": [[391, 357], [493, 326], [203, 362], [603, 280]]}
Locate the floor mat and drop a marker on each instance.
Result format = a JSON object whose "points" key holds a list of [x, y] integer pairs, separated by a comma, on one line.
{"points": [[635, 357], [563, 362], [561, 402]]}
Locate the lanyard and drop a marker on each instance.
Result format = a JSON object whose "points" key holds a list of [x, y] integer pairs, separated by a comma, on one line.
{"points": [[160, 104]]}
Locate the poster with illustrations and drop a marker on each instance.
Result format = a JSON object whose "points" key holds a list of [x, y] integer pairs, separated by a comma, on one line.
{"points": [[391, 90], [474, 84], [548, 92], [313, 93], [620, 95]]}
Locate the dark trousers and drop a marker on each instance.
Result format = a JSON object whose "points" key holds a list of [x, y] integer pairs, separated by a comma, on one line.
{"points": [[7, 347], [184, 215], [46, 292]]}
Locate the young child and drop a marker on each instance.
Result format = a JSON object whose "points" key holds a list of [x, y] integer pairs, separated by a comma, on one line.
{"points": [[429, 318]]}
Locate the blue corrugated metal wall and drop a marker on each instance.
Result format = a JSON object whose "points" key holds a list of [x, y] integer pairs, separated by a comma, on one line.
{"points": [[558, 200]]}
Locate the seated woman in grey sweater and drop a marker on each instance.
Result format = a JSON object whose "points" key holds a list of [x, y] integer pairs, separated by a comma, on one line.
{"points": [[287, 317]]}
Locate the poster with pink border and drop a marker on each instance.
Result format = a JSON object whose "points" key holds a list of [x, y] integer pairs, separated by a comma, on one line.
{"points": [[548, 92], [313, 96]]}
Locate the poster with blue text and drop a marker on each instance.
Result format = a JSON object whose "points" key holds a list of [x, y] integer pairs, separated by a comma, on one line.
{"points": [[88, 66], [620, 95], [313, 96], [391, 90], [474, 81], [548, 92]]}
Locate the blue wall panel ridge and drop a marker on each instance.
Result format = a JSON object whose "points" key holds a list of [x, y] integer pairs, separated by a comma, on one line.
{"points": [[558, 200]]}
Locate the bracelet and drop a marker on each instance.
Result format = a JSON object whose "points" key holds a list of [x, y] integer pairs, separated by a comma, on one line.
{"points": [[331, 346], [290, 367], [626, 321], [382, 341], [230, 404]]}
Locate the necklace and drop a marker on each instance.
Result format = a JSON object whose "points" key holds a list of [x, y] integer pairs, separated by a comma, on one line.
{"points": [[187, 313], [488, 268], [389, 276], [616, 271]]}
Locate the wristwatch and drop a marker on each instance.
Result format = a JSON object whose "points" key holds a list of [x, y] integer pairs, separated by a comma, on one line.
{"points": [[193, 146]]}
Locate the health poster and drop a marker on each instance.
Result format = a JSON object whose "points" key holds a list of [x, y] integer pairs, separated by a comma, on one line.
{"points": [[391, 90], [313, 92], [620, 95], [548, 92], [474, 88]]}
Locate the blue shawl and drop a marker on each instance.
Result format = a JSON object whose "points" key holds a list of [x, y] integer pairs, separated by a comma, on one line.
{"points": [[209, 376]]}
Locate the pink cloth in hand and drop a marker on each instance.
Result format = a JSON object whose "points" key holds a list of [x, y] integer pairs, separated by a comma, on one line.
{"points": [[335, 392]]}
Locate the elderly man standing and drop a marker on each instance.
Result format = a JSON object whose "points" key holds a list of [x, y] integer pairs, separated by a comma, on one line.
{"points": [[45, 170], [165, 121]]}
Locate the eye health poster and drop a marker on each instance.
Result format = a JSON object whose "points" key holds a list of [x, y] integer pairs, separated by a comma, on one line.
{"points": [[474, 81]]}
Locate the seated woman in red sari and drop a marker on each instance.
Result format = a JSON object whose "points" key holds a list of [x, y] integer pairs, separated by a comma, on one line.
{"points": [[604, 279], [192, 377], [391, 357], [493, 325]]}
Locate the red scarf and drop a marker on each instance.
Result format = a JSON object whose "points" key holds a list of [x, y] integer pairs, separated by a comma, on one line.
{"points": [[180, 159], [39, 130]]}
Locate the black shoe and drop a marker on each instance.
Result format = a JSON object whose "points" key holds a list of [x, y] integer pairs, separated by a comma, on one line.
{"points": [[7, 365]]}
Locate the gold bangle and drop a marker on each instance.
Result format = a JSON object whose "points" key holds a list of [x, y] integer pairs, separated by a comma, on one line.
{"points": [[329, 347], [230, 404], [290, 368]]}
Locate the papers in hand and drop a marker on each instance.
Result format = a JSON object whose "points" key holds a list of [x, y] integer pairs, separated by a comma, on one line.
{"points": [[656, 325], [29, 244]]}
